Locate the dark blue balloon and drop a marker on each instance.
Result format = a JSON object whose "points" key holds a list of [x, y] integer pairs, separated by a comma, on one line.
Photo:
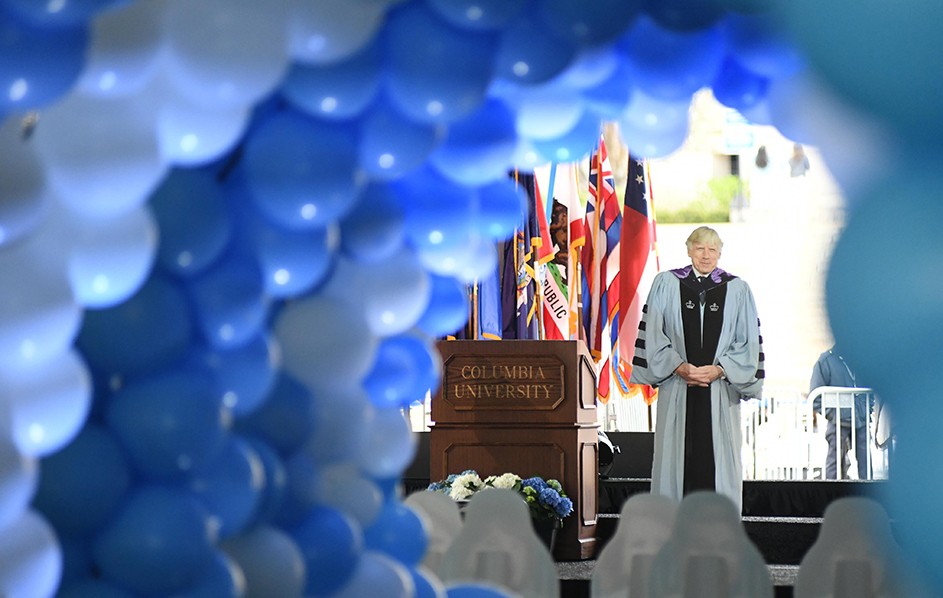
{"points": [[81, 485], [302, 171], [427, 584], [335, 91], [399, 532], [243, 375], [222, 578], [478, 14], [448, 307], [531, 53], [144, 334], [610, 97], [276, 479], [92, 588], [194, 222], [37, 65], [64, 13], [476, 590], [392, 144], [304, 485], [435, 71], [586, 24], [672, 65], [287, 417], [502, 207], [374, 228], [159, 542], [439, 219], [737, 87], [169, 423], [76, 560], [229, 486], [331, 543], [762, 45], [684, 15]]}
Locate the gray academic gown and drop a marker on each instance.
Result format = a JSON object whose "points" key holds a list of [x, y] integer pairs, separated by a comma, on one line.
{"points": [[661, 349]]}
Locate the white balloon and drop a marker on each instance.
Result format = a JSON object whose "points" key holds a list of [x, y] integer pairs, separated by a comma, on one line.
{"points": [[19, 476], [23, 192], [326, 31], [111, 257], [101, 154], [227, 52], [124, 50], [30, 558], [346, 489], [192, 135], [48, 402], [469, 261], [390, 444]]}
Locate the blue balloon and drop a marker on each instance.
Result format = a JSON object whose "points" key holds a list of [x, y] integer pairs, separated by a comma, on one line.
{"points": [[243, 375], [82, 485], [403, 372], [331, 543], [435, 72], [654, 143], [37, 65], [293, 262], [170, 423], [375, 570], [229, 301], [590, 67], [611, 96], [194, 223], [19, 476], [24, 199], [222, 578], [439, 219], [399, 532], [142, 335], [427, 584], [478, 149], [302, 171], [683, 15], [340, 433], [374, 228], [229, 486], [304, 485], [159, 542], [276, 481], [476, 590], [287, 417], [762, 45], [672, 65], [389, 444], [392, 144], [502, 208], [448, 307], [530, 53], [738, 88], [92, 588], [575, 143], [589, 24], [478, 14], [76, 560], [66, 13], [336, 91]]}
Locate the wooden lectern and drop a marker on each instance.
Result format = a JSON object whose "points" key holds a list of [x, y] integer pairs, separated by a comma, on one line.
{"points": [[526, 407]]}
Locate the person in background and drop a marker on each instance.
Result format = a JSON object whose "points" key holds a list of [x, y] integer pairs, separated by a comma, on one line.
{"points": [[699, 343], [831, 369], [798, 162]]}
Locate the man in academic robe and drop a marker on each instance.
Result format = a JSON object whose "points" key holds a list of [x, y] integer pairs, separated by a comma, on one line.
{"points": [[699, 343]]}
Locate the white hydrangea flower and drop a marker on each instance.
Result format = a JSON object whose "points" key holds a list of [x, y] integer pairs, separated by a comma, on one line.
{"points": [[464, 486], [505, 480]]}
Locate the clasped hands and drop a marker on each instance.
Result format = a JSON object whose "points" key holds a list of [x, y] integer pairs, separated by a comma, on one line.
{"points": [[699, 375]]}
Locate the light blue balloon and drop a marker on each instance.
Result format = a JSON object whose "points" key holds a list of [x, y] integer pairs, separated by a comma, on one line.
{"points": [[575, 143], [302, 171], [392, 144], [194, 222], [404, 370], [170, 423], [389, 445], [18, 481], [610, 97], [476, 590], [347, 489], [340, 435], [332, 545], [737, 87], [435, 72], [374, 228], [145, 333], [38, 65], [23, 197], [159, 542], [270, 560], [229, 486], [478, 148], [502, 208], [672, 65], [590, 67], [30, 557], [335, 91], [304, 485], [439, 219], [223, 578], [376, 570], [82, 485], [398, 532]]}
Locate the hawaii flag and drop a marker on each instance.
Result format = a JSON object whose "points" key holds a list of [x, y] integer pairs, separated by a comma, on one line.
{"points": [[639, 264], [561, 245]]}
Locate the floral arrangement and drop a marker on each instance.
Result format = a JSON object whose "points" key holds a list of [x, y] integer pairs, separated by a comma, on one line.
{"points": [[545, 499]]}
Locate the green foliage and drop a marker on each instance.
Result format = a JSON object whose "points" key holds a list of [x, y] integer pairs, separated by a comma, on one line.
{"points": [[711, 205]]}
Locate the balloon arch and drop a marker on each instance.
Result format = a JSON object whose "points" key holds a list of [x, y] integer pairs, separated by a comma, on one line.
{"points": [[218, 218]]}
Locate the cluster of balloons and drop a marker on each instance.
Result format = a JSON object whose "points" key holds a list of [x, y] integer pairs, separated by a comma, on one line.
{"points": [[231, 230]]}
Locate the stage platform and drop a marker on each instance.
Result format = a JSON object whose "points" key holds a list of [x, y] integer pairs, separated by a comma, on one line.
{"points": [[781, 517]]}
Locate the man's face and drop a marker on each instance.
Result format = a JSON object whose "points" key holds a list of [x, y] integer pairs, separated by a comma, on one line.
{"points": [[704, 257]]}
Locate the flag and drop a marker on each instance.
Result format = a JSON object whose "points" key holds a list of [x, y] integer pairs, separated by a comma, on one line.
{"points": [[519, 275], [565, 230], [638, 266], [489, 307], [603, 225]]}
